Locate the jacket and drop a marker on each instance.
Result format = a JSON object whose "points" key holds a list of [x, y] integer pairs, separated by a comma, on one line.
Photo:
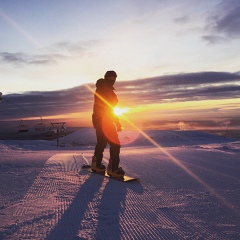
{"points": [[104, 101]]}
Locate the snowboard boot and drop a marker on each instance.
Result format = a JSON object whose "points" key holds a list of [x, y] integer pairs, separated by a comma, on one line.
{"points": [[117, 173], [97, 167]]}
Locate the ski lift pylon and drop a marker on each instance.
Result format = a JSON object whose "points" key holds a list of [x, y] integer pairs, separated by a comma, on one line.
{"points": [[58, 126]]}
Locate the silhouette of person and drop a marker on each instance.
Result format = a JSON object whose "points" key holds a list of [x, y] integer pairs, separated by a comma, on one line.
{"points": [[106, 125]]}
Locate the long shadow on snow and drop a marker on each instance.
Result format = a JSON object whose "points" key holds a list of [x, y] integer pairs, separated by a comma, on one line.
{"points": [[109, 209], [112, 206], [69, 224]]}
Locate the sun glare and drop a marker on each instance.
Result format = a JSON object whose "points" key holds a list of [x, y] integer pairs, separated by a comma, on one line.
{"points": [[120, 111]]}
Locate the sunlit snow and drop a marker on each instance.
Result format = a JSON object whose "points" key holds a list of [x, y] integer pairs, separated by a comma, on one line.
{"points": [[189, 188]]}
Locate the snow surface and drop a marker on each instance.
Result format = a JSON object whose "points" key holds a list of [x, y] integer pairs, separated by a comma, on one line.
{"points": [[189, 188]]}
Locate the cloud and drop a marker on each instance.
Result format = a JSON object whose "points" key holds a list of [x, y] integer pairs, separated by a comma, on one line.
{"points": [[161, 89], [223, 22], [230, 22], [214, 39], [74, 48], [13, 57], [182, 87], [20, 58], [182, 20], [205, 124], [40, 104], [58, 51]]}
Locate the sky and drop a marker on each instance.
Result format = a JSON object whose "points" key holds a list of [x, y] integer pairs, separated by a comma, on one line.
{"points": [[177, 61]]}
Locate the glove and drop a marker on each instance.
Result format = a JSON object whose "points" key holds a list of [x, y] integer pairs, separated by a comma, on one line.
{"points": [[119, 127]]}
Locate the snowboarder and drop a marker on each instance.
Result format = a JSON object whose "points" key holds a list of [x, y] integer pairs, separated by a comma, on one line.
{"points": [[106, 125]]}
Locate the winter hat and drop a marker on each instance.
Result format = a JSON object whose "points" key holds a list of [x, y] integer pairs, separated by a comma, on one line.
{"points": [[110, 74]]}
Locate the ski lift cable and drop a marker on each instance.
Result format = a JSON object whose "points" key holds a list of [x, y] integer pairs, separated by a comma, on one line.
{"points": [[22, 127], [10, 115], [38, 127], [31, 113]]}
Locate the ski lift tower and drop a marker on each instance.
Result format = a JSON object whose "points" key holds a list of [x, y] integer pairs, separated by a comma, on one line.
{"points": [[58, 126]]}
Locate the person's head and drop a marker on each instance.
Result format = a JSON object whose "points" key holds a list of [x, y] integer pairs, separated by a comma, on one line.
{"points": [[110, 77]]}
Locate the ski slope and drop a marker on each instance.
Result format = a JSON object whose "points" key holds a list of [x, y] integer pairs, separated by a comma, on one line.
{"points": [[189, 188]]}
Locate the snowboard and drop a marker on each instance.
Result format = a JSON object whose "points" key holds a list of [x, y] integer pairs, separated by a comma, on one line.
{"points": [[121, 179]]}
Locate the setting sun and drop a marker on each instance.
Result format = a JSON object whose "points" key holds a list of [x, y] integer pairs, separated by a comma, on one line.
{"points": [[120, 111]]}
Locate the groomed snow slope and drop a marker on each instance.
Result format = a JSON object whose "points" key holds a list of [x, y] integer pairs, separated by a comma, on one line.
{"points": [[189, 189]]}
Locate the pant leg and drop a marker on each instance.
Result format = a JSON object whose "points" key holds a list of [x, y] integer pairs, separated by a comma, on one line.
{"points": [[107, 133], [114, 155], [111, 134], [101, 145]]}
